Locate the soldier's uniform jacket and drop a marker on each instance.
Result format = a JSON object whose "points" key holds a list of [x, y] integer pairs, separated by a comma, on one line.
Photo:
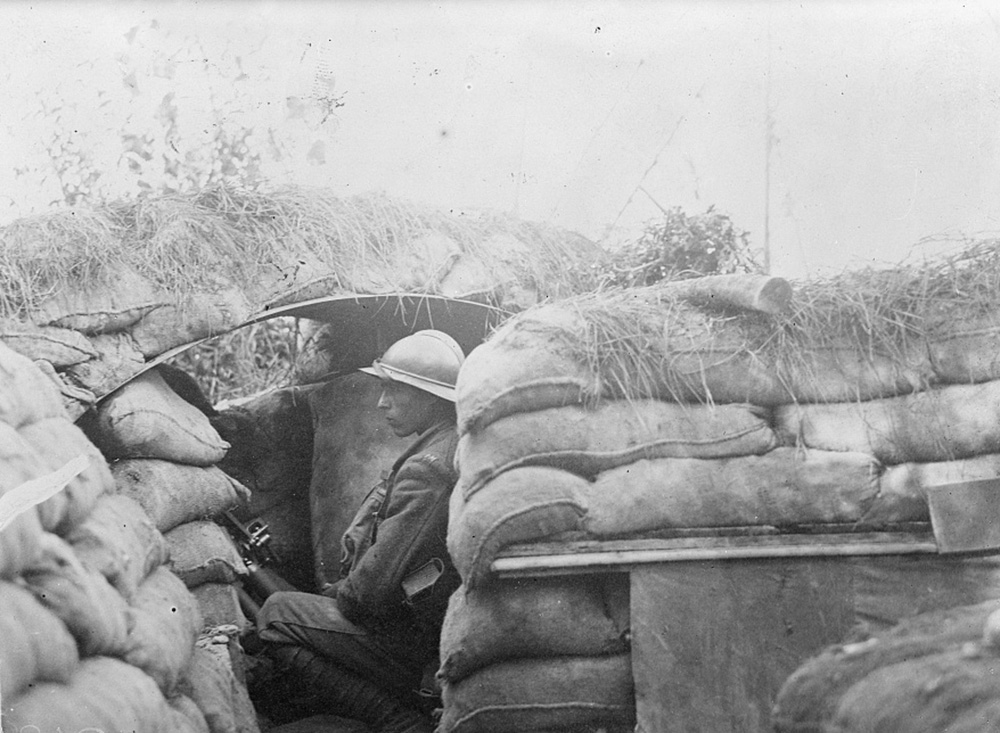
{"points": [[396, 575]]}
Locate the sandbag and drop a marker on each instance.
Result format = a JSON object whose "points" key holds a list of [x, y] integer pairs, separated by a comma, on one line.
{"points": [[811, 696], [532, 618], [781, 488], [191, 719], [955, 421], [587, 441], [202, 314], [34, 644], [955, 690], [903, 487], [20, 541], [147, 419], [212, 682], [964, 350], [117, 361], [119, 301], [61, 347], [104, 694], [94, 612], [174, 493], [57, 441], [574, 693], [76, 400], [219, 604], [203, 552], [522, 505], [119, 541], [353, 449], [26, 395], [167, 623]]}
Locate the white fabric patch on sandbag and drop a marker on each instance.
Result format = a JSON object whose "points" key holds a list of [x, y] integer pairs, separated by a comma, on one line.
{"points": [[199, 316], [104, 694], [26, 395], [203, 552], [120, 542], [588, 441], [955, 421], [532, 618], [123, 298], [35, 646], [20, 541], [564, 693], [521, 505], [781, 488], [173, 493], [94, 612], [57, 441], [167, 623], [61, 347], [117, 360], [147, 419]]}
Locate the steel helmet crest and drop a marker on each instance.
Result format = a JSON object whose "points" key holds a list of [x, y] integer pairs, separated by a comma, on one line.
{"points": [[428, 360]]}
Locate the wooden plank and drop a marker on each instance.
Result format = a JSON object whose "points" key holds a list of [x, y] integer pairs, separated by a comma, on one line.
{"points": [[625, 555]]}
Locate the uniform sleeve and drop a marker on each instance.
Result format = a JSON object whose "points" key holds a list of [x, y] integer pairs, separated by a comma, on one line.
{"points": [[412, 533]]}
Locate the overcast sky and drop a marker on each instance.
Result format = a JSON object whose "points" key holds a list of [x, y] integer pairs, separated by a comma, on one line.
{"points": [[843, 132]]}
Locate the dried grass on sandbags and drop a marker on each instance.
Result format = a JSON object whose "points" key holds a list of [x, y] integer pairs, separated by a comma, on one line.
{"points": [[35, 646], [173, 493], [587, 441], [954, 421], [203, 552], [199, 316], [147, 419], [61, 347], [94, 612], [167, 623], [577, 693], [104, 694], [810, 697], [120, 542], [56, 442], [533, 618]]}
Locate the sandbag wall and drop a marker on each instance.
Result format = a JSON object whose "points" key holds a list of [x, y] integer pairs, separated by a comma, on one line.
{"points": [[675, 422]]}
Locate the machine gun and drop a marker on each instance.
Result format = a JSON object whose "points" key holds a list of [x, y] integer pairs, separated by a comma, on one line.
{"points": [[253, 538]]}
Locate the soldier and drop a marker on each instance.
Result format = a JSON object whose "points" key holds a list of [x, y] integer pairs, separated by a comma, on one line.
{"points": [[360, 649]]}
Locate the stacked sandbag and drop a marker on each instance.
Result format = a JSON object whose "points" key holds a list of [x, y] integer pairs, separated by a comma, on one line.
{"points": [[96, 629], [932, 672]]}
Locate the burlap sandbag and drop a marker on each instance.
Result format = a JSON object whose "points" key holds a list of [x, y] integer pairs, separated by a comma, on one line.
{"points": [[781, 488], [94, 612], [521, 505], [588, 441], [199, 316], [167, 623], [57, 441], [192, 717], [963, 349], [566, 693], [955, 690], [903, 488], [203, 552], [20, 540], [213, 683], [955, 421], [26, 395], [34, 644], [174, 493], [120, 542], [353, 448], [219, 604], [104, 694], [61, 347], [117, 360], [76, 400], [147, 419], [811, 696], [117, 303], [532, 618]]}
